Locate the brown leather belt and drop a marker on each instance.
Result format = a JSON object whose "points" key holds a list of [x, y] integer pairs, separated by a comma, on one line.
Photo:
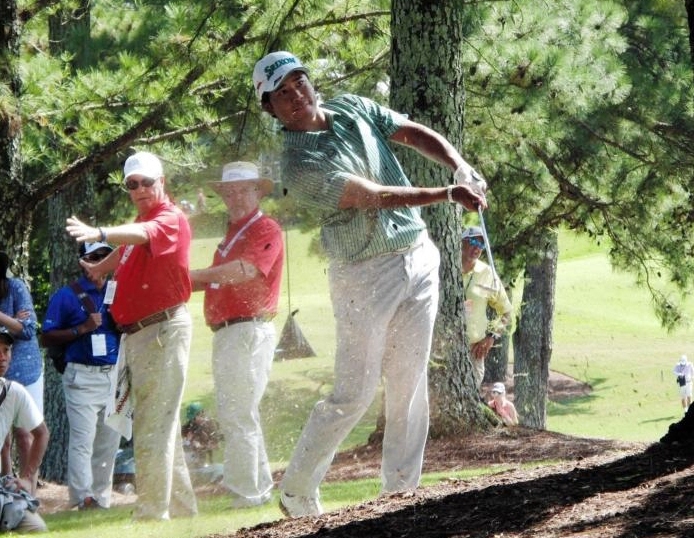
{"points": [[158, 317], [215, 327]]}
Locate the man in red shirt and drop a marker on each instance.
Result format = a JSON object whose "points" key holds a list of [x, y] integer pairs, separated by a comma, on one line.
{"points": [[241, 293], [151, 287]]}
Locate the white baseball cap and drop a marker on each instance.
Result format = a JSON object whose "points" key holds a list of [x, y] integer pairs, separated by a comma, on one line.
{"points": [[144, 164], [499, 387], [270, 71]]}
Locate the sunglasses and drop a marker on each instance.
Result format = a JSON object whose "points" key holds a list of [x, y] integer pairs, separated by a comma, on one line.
{"points": [[495, 392], [474, 242], [133, 184], [95, 257]]}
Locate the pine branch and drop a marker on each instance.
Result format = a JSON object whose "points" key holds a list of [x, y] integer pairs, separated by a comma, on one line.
{"points": [[566, 187], [100, 154], [196, 128]]}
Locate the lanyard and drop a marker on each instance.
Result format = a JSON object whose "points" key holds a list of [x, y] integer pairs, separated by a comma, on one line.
{"points": [[127, 251], [224, 250]]}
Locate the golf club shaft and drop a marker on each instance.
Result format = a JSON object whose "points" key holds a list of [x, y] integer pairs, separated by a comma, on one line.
{"points": [[486, 243]]}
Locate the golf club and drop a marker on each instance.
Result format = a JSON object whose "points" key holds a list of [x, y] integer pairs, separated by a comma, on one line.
{"points": [[480, 212]]}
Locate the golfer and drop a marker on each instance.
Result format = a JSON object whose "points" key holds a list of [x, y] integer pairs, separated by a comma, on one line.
{"points": [[383, 272]]}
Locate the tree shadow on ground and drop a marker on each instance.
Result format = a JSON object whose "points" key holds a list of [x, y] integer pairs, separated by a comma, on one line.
{"points": [[665, 512], [515, 507]]}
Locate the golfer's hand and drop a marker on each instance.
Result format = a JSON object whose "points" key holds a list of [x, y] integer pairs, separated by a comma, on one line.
{"points": [[467, 175], [468, 197], [81, 231]]}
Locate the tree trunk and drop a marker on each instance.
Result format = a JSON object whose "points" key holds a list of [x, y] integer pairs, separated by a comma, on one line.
{"points": [[427, 85], [496, 363], [77, 199], [15, 218], [64, 268], [532, 340], [689, 6]]}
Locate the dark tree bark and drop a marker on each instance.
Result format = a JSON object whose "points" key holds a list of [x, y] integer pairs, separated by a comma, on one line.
{"points": [[16, 216], [532, 340], [496, 363], [77, 199], [689, 5], [64, 268], [427, 84]]}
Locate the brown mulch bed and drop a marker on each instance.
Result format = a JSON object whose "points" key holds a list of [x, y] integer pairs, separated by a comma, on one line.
{"points": [[635, 493]]}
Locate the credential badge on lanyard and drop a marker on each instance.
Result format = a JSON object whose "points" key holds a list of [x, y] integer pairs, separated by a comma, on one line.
{"points": [[224, 250], [111, 285]]}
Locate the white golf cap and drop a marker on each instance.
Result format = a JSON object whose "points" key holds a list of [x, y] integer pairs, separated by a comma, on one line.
{"points": [[499, 387], [683, 359], [144, 164], [270, 71]]}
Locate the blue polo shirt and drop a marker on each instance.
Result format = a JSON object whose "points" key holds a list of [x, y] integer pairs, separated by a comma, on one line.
{"points": [[65, 310]]}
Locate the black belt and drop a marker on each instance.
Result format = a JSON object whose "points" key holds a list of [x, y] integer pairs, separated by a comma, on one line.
{"points": [[149, 320], [216, 326]]}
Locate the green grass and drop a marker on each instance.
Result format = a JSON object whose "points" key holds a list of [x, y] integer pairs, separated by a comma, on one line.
{"points": [[605, 334]]}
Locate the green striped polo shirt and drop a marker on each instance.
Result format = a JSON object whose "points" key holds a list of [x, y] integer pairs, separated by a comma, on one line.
{"points": [[315, 166]]}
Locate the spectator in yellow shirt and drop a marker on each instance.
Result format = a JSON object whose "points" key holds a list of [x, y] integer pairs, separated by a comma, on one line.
{"points": [[482, 289]]}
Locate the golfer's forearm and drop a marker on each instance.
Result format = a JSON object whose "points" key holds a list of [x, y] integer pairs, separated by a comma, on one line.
{"points": [[404, 197], [360, 193], [429, 143]]}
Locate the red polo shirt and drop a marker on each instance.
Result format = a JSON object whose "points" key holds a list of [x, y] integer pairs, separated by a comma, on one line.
{"points": [[154, 276], [261, 245]]}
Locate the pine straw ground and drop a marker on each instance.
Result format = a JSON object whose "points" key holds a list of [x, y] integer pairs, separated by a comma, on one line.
{"points": [[594, 488]]}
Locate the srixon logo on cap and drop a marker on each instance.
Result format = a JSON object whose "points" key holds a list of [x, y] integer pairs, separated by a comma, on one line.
{"points": [[270, 69]]}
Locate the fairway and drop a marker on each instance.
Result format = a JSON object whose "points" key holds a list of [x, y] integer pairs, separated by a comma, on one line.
{"points": [[605, 334]]}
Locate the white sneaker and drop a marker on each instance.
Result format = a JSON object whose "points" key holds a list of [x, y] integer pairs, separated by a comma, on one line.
{"points": [[245, 502], [298, 506]]}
